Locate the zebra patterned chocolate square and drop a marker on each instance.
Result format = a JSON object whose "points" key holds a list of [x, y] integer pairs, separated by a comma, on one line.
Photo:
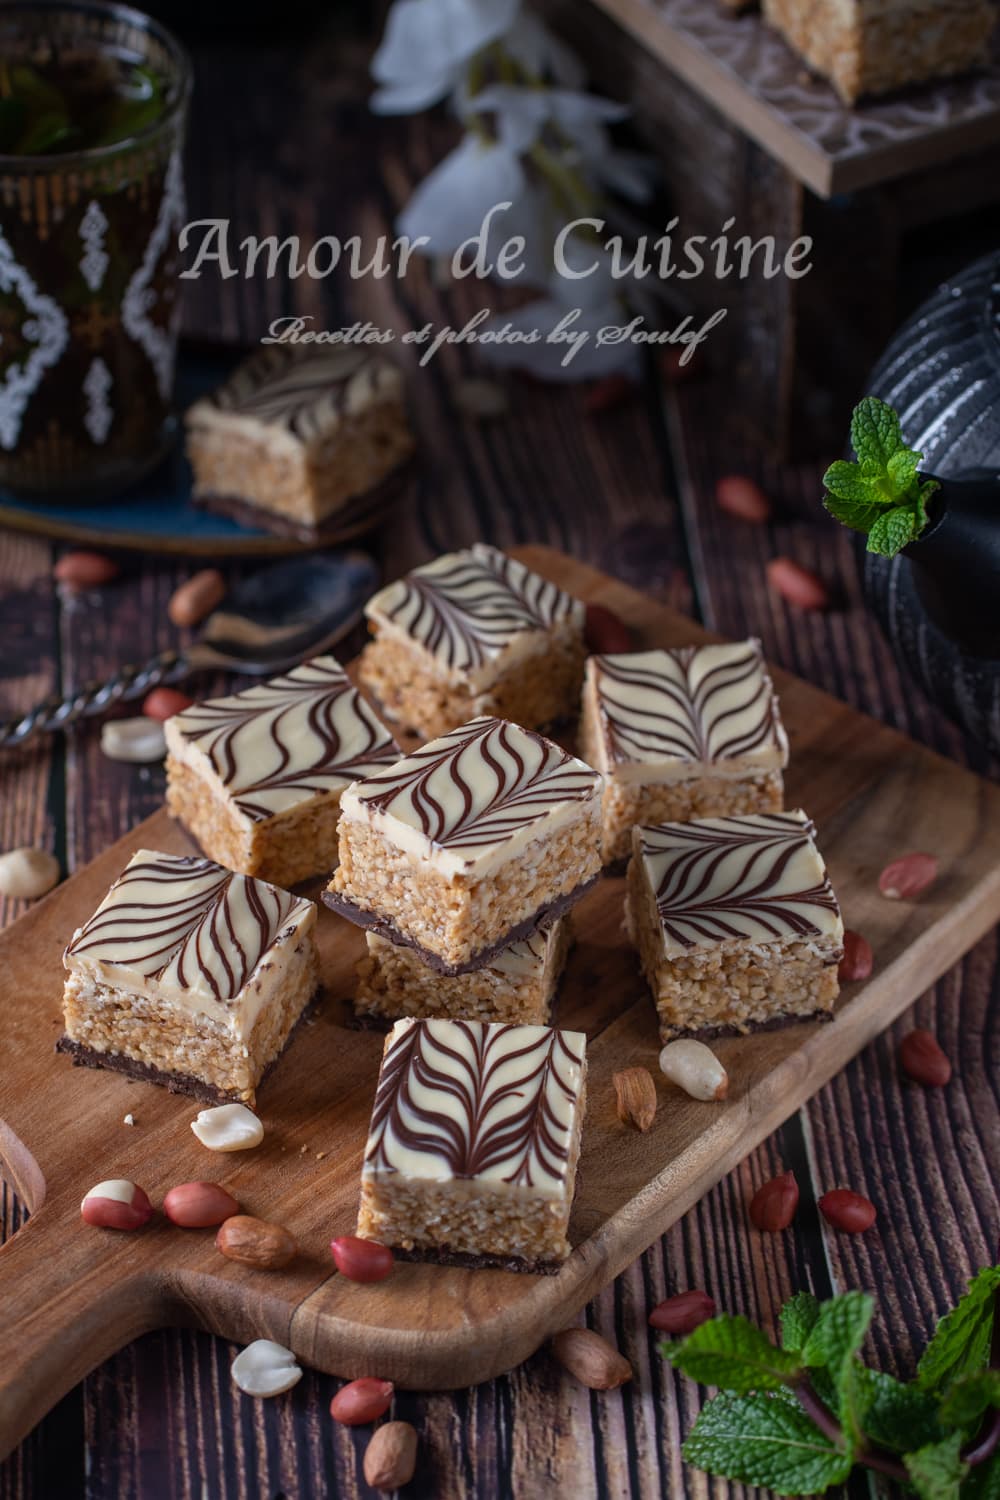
{"points": [[671, 715], [748, 880]]}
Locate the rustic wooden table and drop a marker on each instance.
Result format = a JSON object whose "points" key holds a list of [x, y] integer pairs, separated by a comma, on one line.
{"points": [[630, 489]]}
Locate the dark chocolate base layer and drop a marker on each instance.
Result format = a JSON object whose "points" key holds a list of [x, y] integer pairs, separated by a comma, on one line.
{"points": [[387, 929], [353, 515], [442, 1256], [773, 1023]]}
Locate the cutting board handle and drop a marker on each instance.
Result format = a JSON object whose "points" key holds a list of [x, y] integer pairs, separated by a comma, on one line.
{"points": [[68, 1301]]}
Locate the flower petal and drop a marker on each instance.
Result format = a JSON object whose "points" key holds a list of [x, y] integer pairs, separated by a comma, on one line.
{"points": [[429, 37], [452, 202]]}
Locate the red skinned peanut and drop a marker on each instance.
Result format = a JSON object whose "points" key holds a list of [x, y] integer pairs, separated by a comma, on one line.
{"points": [[361, 1260], [361, 1401], [858, 959], [743, 498], [605, 633], [847, 1211], [116, 1204], [85, 570], [907, 878], [682, 1314], [199, 1205], [797, 585], [921, 1058], [163, 702], [772, 1207]]}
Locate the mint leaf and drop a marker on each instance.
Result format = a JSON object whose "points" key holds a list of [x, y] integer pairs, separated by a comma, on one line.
{"points": [[969, 1396], [875, 434], [983, 1482], [838, 1334], [936, 1471], [798, 1319], [902, 469], [895, 1415], [846, 482], [962, 1340], [891, 531], [758, 1440], [859, 515], [925, 490], [731, 1353]]}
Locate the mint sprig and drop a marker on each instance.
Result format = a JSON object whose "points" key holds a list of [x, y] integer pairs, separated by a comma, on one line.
{"points": [[882, 494], [798, 1418]]}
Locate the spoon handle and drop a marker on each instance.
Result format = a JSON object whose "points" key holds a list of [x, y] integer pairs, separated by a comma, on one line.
{"points": [[126, 685]]}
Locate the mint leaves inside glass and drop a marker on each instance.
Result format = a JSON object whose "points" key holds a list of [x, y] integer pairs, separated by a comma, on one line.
{"points": [[81, 100]]}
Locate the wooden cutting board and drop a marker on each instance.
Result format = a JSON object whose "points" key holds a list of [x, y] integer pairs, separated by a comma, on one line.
{"points": [[72, 1295]]}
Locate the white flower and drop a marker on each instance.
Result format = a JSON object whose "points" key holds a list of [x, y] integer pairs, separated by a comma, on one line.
{"points": [[531, 44], [426, 46], [451, 203], [522, 113]]}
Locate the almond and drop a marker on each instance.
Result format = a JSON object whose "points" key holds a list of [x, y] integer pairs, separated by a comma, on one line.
{"points": [[635, 1097], [189, 604], [743, 498], [858, 959], [255, 1242], [605, 633], [391, 1456], [682, 1314], [199, 1205], [590, 1359], [797, 585], [84, 570], [361, 1260], [361, 1401], [772, 1207], [847, 1211], [922, 1059], [907, 878]]}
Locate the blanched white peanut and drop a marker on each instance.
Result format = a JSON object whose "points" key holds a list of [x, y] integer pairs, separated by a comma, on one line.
{"points": [[27, 873], [695, 1069], [228, 1127], [265, 1368], [138, 740]]}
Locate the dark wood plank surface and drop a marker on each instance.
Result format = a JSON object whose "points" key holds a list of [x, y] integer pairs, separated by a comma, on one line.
{"points": [[630, 490]]}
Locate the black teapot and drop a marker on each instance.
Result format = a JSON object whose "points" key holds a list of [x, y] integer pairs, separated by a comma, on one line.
{"points": [[938, 601]]}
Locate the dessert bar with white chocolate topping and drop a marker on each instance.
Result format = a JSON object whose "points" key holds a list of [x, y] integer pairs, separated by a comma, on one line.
{"points": [[691, 732], [472, 633], [257, 777], [474, 1142], [736, 923], [875, 46], [468, 844], [189, 976], [516, 986], [297, 436]]}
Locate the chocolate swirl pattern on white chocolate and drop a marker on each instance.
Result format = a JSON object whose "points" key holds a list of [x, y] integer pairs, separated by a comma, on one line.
{"points": [[477, 1100], [307, 392], [694, 704], [757, 878], [273, 746], [466, 608], [474, 791], [184, 925]]}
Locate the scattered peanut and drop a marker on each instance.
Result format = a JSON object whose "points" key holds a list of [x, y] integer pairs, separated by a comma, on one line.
{"points": [[391, 1456], [858, 958], [847, 1211], [694, 1068], [255, 1242], [743, 498], [605, 634], [265, 1368], [84, 570], [116, 1204], [797, 585], [921, 1058], [228, 1127], [635, 1097], [163, 702], [590, 1359], [26, 874], [772, 1207], [189, 604], [682, 1314], [361, 1260], [139, 741], [199, 1205], [362, 1401], [907, 878]]}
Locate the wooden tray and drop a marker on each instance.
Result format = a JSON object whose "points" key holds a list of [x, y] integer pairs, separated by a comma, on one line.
{"points": [[72, 1295]]}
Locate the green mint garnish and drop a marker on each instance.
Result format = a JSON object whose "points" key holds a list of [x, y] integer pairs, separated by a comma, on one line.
{"points": [[882, 494], [796, 1419]]}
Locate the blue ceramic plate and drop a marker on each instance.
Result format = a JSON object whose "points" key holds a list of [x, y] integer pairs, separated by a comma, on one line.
{"points": [[157, 514]]}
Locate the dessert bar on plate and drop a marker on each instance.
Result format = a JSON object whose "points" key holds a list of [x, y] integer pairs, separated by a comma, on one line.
{"points": [[874, 46], [296, 434], [736, 923], [189, 976], [469, 844], [516, 986], [692, 732], [257, 777], [474, 633], [473, 1145]]}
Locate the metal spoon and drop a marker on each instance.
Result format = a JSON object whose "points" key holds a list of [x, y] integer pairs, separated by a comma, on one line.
{"points": [[271, 621]]}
